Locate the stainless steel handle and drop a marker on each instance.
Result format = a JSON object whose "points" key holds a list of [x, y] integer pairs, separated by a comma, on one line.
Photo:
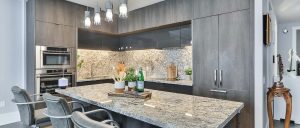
{"points": [[221, 78], [218, 91], [215, 77]]}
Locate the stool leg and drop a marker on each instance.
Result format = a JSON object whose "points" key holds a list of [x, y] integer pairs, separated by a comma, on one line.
{"points": [[270, 97], [288, 114]]}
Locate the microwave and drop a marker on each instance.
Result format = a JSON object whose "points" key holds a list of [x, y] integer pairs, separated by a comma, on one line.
{"points": [[53, 57]]}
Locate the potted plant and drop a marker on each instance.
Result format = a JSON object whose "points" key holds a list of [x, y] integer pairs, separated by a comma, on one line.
{"points": [[119, 82], [131, 78], [188, 73]]}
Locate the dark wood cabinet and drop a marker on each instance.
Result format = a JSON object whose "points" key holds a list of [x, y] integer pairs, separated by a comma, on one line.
{"points": [[110, 42], [185, 35], [205, 55], [204, 8], [139, 41], [156, 15], [222, 59], [167, 38], [89, 40]]}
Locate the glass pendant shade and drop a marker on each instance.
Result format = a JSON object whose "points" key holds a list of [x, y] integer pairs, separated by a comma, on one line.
{"points": [[109, 13], [97, 17], [123, 10], [87, 19]]}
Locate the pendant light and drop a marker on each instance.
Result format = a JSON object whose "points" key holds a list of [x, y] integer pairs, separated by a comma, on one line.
{"points": [[97, 17], [123, 9], [109, 11], [87, 19]]}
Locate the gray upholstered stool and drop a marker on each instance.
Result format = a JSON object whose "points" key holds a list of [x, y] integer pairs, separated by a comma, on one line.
{"points": [[59, 111], [82, 121], [29, 116]]}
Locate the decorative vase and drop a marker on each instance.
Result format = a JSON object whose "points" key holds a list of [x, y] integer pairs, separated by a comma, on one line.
{"points": [[131, 85], [188, 77], [119, 87]]}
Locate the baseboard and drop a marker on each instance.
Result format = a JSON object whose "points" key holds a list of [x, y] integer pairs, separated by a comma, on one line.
{"points": [[8, 118]]}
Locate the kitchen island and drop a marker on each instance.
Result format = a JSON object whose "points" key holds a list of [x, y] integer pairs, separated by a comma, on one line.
{"points": [[164, 109]]}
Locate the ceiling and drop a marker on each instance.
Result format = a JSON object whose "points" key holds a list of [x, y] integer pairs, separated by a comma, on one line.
{"points": [[132, 4], [287, 10]]}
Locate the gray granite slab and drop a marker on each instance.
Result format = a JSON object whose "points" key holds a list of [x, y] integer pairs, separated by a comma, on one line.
{"points": [[164, 109]]}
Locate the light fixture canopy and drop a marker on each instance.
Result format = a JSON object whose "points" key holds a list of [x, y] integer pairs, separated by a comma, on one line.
{"points": [[109, 11], [97, 16], [87, 19], [123, 10]]}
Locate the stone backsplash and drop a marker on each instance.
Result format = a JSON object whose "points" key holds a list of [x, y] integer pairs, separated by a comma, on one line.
{"points": [[99, 64]]}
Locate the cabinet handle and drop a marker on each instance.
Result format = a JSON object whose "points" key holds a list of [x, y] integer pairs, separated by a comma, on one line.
{"points": [[221, 78], [218, 91], [215, 77]]}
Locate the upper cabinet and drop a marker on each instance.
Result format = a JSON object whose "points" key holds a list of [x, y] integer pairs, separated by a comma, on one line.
{"points": [[97, 41], [55, 35], [167, 38], [185, 35], [55, 11], [156, 15], [204, 8], [171, 37]]}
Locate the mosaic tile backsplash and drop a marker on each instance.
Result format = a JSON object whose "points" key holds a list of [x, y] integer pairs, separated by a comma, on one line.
{"points": [[100, 64]]}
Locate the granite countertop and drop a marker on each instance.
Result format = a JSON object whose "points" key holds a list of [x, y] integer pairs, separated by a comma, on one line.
{"points": [[177, 82], [164, 109]]}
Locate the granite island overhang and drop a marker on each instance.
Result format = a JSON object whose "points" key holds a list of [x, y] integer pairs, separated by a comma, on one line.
{"points": [[164, 109]]}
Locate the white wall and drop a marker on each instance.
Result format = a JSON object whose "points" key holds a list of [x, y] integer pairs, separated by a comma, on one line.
{"points": [[268, 66], [290, 80], [11, 55], [258, 65]]}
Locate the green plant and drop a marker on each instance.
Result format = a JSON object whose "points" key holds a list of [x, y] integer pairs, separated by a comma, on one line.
{"points": [[130, 75], [80, 62], [188, 71]]}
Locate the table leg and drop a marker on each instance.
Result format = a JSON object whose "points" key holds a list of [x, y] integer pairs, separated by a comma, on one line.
{"points": [[270, 97], [288, 114]]}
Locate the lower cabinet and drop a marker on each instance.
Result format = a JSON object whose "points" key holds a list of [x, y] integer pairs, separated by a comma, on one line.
{"points": [[183, 89]]}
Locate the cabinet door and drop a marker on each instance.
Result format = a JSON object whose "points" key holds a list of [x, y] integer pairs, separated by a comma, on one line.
{"points": [[88, 40], [167, 38], [234, 43], [110, 42], [69, 13], [205, 55], [44, 33], [203, 8], [142, 41], [69, 34], [182, 10], [45, 10], [185, 35], [235, 60], [58, 36]]}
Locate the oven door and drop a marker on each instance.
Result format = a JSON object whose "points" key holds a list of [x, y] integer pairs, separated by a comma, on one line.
{"points": [[52, 59], [48, 84]]}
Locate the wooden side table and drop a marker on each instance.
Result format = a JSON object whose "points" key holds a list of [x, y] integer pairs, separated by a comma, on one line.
{"points": [[279, 92]]}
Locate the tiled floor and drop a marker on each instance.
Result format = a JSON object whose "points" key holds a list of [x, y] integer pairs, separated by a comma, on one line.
{"points": [[278, 124]]}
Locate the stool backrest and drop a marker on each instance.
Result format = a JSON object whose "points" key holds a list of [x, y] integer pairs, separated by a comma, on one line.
{"points": [[82, 121], [26, 110], [57, 106]]}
